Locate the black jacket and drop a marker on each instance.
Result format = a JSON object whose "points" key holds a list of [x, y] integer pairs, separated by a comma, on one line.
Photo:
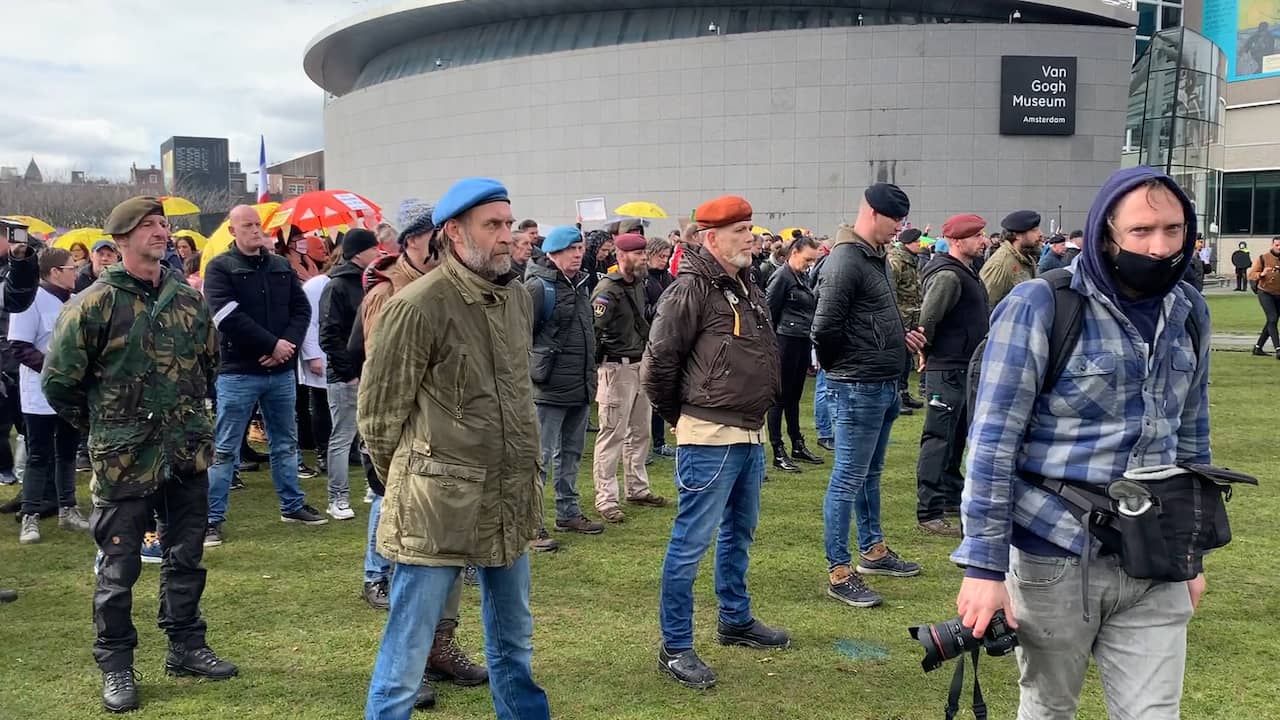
{"points": [[954, 337], [654, 285], [791, 303], [857, 330], [85, 277], [339, 306], [567, 342], [19, 280], [255, 301]]}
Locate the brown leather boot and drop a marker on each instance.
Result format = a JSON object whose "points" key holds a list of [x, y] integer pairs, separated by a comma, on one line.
{"points": [[447, 661]]}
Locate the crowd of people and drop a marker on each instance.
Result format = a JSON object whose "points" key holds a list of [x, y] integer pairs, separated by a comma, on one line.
{"points": [[457, 356]]}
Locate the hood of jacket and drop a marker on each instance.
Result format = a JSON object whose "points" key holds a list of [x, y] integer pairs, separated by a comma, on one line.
{"points": [[348, 270], [117, 277], [1094, 261]]}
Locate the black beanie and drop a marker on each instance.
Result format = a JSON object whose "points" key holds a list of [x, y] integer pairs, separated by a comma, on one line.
{"points": [[357, 241]]}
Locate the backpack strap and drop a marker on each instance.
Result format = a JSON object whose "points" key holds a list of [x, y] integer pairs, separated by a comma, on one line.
{"points": [[548, 306], [1068, 323]]}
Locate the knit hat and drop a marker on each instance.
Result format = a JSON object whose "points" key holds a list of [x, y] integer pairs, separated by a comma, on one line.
{"points": [[414, 218], [357, 241]]}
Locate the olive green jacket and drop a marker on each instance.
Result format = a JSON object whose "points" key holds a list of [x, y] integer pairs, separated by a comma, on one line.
{"points": [[132, 364], [1006, 268], [621, 327], [446, 410]]}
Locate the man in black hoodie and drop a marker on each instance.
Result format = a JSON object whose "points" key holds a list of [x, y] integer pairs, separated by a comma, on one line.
{"points": [[339, 305]]}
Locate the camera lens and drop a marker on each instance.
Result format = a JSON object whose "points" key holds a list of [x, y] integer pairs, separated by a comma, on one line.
{"points": [[942, 642]]}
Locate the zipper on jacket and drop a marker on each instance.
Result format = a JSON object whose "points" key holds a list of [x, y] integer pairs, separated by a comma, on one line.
{"points": [[461, 384]]}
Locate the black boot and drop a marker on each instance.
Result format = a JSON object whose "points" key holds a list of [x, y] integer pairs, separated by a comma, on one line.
{"points": [[425, 698], [7, 595], [781, 461], [803, 454], [1257, 350], [686, 667], [910, 402], [198, 662], [120, 691]]}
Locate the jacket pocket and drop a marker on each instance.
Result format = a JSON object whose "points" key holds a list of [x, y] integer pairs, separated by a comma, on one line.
{"points": [[126, 459], [1088, 388], [542, 360], [440, 506]]}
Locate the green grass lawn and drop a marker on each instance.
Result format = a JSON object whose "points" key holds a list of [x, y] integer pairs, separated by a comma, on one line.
{"points": [[283, 602], [1237, 313]]}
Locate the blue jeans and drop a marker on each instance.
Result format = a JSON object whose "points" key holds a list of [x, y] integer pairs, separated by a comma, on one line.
{"points": [[376, 567], [418, 595], [864, 415], [276, 394], [822, 410], [719, 487]]}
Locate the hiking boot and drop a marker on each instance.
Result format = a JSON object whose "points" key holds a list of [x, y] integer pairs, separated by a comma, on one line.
{"points": [[802, 453], [306, 515], [375, 593], [249, 453], [665, 451], [910, 402], [306, 473], [69, 518], [781, 461], [30, 532], [425, 698], [257, 433], [447, 661], [197, 662], [580, 524], [247, 466], [686, 667], [82, 461], [828, 444], [544, 542], [883, 561], [613, 515], [213, 535], [847, 587], [152, 552], [322, 463], [120, 691], [7, 595], [648, 500], [941, 527], [753, 635]]}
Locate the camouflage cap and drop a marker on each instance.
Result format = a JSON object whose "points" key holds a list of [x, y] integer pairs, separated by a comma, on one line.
{"points": [[127, 215]]}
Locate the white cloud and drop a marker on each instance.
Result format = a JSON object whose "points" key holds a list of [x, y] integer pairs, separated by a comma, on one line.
{"points": [[96, 86]]}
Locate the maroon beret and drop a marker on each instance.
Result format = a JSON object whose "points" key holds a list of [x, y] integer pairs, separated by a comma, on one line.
{"points": [[629, 242], [959, 227]]}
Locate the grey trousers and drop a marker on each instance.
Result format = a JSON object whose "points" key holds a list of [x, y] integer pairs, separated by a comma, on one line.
{"points": [[564, 433], [1137, 634], [342, 411]]}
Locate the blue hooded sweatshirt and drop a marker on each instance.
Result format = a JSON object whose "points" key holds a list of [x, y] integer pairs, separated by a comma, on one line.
{"points": [[1095, 262]]}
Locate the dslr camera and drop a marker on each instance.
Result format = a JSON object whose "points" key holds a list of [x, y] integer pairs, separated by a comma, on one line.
{"points": [[948, 640]]}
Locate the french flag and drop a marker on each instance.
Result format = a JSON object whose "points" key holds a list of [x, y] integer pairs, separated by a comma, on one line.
{"points": [[264, 194]]}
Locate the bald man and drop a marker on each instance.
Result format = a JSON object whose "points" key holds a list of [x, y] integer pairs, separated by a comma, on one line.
{"points": [[262, 313]]}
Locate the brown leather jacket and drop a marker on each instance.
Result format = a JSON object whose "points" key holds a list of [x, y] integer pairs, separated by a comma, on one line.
{"points": [[712, 352], [1266, 272]]}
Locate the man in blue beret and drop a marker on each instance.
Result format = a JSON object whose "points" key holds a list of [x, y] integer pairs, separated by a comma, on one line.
{"points": [[446, 410], [1015, 260]]}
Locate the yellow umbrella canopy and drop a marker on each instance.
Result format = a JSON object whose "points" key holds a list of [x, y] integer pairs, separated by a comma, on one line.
{"points": [[85, 236], [641, 209], [757, 230], [786, 232], [34, 224], [221, 239], [196, 238], [175, 206]]}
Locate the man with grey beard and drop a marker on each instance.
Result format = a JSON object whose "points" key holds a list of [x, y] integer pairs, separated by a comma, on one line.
{"points": [[446, 410]]}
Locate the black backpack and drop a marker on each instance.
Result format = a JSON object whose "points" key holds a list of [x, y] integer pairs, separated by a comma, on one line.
{"points": [[1068, 323]]}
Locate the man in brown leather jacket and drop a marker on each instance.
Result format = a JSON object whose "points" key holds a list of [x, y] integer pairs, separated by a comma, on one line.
{"points": [[711, 370]]}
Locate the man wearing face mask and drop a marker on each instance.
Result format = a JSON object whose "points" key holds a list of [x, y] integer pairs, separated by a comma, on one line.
{"points": [[1014, 261], [1132, 394]]}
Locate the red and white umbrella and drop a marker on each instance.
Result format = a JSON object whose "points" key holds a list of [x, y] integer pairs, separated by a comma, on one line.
{"points": [[324, 209]]}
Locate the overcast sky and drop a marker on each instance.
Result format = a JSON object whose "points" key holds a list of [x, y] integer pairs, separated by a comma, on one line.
{"points": [[96, 85]]}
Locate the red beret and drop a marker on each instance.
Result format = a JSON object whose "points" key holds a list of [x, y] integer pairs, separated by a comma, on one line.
{"points": [[959, 227], [722, 211], [629, 242]]}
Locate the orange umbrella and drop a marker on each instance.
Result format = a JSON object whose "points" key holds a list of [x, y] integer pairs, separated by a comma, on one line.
{"points": [[323, 209]]}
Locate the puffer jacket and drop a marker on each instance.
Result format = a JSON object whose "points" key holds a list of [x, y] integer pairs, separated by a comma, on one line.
{"points": [[857, 330], [446, 410], [712, 353], [339, 306], [566, 345]]}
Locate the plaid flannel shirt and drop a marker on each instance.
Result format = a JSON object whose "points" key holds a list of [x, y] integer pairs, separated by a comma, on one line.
{"points": [[1118, 405]]}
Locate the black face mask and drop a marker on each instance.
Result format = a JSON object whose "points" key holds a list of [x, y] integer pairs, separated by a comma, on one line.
{"points": [[1147, 275]]}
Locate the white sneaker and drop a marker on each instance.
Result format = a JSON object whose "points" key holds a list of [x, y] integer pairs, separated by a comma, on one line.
{"points": [[341, 510], [368, 496], [30, 532], [69, 518]]}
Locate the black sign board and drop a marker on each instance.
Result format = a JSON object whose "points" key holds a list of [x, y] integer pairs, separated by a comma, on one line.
{"points": [[1037, 95]]}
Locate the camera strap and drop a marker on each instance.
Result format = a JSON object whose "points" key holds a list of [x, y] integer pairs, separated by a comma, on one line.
{"points": [[957, 686]]}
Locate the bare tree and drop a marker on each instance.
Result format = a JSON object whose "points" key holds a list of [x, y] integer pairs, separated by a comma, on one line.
{"points": [[68, 205]]}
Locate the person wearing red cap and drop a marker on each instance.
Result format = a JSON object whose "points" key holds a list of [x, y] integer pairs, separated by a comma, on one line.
{"points": [[711, 369], [622, 330], [953, 315]]}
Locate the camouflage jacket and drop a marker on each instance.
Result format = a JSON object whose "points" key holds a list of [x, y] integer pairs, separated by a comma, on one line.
{"points": [[906, 284], [132, 364]]}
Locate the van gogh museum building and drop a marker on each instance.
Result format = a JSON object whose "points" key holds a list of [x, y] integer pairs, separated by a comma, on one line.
{"points": [[970, 105]]}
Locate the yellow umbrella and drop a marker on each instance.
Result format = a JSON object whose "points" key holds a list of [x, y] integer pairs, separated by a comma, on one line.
{"points": [[220, 241], [34, 224], [175, 206], [757, 230], [786, 232], [196, 238], [86, 236], [641, 209]]}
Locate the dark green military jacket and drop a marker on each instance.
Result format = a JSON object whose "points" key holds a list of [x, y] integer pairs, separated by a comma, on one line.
{"points": [[132, 364], [621, 328]]}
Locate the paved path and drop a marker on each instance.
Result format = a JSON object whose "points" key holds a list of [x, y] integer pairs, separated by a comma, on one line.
{"points": [[1233, 343]]}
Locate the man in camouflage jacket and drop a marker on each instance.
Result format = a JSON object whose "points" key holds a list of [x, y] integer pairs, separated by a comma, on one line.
{"points": [[904, 266], [131, 361]]}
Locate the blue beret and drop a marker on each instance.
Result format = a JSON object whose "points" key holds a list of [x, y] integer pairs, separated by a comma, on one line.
{"points": [[559, 238], [1021, 221], [466, 194], [888, 199]]}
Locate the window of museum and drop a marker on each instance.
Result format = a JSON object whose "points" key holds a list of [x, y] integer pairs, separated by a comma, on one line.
{"points": [[1251, 203], [1154, 16]]}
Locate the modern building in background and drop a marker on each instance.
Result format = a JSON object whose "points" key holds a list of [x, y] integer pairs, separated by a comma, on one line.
{"points": [[195, 166], [291, 178], [982, 106]]}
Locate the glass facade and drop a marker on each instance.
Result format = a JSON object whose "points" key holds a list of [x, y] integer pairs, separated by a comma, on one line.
{"points": [[1251, 203], [1175, 118], [1153, 17], [578, 31]]}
